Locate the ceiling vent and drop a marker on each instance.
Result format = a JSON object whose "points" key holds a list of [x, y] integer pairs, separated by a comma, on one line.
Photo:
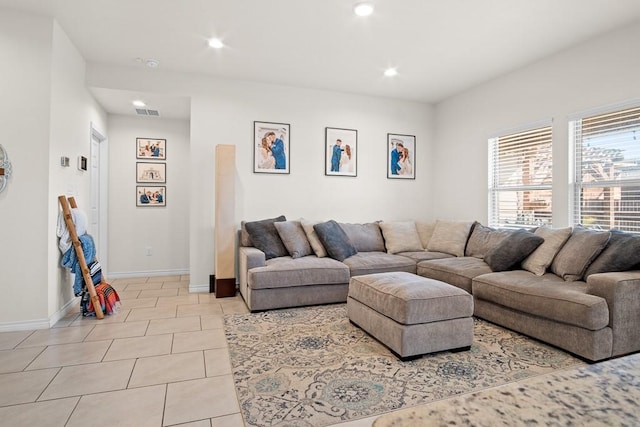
{"points": [[147, 112]]}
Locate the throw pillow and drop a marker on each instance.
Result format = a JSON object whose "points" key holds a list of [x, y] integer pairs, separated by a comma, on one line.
{"points": [[312, 236], [335, 240], [538, 262], [513, 248], [621, 254], [294, 238], [365, 237], [581, 249], [482, 240], [425, 231], [265, 237], [245, 239], [450, 237], [401, 236]]}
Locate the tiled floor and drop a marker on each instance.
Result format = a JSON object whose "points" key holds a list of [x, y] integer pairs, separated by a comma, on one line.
{"points": [[162, 360]]}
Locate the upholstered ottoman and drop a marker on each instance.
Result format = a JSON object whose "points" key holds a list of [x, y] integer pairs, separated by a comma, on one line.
{"points": [[410, 314]]}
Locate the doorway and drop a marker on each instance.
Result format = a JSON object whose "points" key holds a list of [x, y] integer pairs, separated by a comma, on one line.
{"points": [[98, 197]]}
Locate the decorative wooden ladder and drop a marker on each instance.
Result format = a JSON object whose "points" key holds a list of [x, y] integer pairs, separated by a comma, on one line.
{"points": [[79, 252]]}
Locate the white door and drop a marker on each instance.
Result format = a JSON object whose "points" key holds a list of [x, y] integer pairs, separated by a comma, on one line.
{"points": [[94, 206], [98, 167]]}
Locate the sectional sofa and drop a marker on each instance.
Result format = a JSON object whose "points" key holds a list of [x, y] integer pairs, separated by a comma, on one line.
{"points": [[574, 288]]}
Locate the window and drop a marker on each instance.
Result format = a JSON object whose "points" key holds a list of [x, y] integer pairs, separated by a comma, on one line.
{"points": [[520, 178], [606, 191]]}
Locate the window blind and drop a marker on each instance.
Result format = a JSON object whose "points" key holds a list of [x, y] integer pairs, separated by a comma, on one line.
{"points": [[520, 178], [606, 190]]}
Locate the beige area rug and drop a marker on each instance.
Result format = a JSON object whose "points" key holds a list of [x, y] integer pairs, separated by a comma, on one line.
{"points": [[312, 367]]}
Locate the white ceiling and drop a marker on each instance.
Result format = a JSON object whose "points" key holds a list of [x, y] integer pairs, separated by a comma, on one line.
{"points": [[439, 47]]}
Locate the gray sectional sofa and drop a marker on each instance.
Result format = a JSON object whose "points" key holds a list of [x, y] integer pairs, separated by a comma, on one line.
{"points": [[574, 288]]}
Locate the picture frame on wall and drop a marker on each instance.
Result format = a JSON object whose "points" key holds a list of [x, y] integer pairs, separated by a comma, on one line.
{"points": [[151, 195], [150, 172], [340, 152], [151, 148], [271, 149], [401, 156]]}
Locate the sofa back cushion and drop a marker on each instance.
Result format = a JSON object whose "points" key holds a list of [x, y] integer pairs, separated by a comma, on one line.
{"points": [[312, 236], [401, 236], [365, 237], [512, 249], [483, 239], [265, 237], [450, 237], [335, 240], [425, 231], [581, 249], [294, 238], [554, 238], [621, 254]]}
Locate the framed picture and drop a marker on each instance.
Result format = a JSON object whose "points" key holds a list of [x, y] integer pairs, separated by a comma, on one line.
{"points": [[151, 149], [151, 172], [340, 152], [271, 147], [151, 195], [401, 156]]}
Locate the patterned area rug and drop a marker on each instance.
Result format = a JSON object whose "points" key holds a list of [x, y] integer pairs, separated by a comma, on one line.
{"points": [[312, 367]]}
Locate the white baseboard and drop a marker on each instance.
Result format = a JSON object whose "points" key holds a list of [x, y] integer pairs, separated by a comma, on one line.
{"points": [[25, 325], [74, 303], [152, 273], [198, 288]]}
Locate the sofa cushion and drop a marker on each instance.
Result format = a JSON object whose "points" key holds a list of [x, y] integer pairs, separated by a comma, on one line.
{"points": [[482, 240], [450, 237], [458, 271], [546, 296], [245, 239], [312, 236], [581, 249], [621, 253], [365, 237], [401, 236], [540, 259], [335, 240], [294, 238], [512, 249], [424, 255], [286, 272], [378, 262], [425, 231], [265, 237]]}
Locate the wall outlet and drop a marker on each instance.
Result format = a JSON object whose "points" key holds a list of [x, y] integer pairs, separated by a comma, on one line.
{"points": [[147, 251]]}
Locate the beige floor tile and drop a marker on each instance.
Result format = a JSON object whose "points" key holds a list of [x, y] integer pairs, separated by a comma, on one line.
{"points": [[178, 300], [235, 308], [9, 340], [199, 310], [152, 313], [89, 379], [56, 336], [173, 278], [199, 399], [127, 295], [199, 340], [158, 293], [140, 407], [117, 317], [206, 298], [53, 413], [68, 319], [184, 291], [139, 303], [129, 280], [217, 362], [175, 285], [70, 354], [18, 359], [201, 423], [132, 348], [170, 326], [234, 420], [111, 331], [211, 322], [167, 369], [24, 387], [143, 286]]}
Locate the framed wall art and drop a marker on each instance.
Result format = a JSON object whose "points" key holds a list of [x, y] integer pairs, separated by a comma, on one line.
{"points": [[271, 147], [149, 172], [340, 152], [151, 195], [151, 149], [401, 156]]}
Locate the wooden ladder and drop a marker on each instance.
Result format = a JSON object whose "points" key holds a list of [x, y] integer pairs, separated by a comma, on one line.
{"points": [[80, 253]]}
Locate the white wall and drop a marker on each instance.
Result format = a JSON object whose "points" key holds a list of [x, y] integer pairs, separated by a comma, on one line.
{"points": [[223, 111], [601, 72], [163, 229]]}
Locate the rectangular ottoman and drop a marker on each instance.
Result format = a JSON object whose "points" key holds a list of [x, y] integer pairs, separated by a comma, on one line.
{"points": [[410, 314]]}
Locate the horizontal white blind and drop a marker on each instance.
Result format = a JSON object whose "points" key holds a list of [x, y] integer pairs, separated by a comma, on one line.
{"points": [[520, 178], [607, 182]]}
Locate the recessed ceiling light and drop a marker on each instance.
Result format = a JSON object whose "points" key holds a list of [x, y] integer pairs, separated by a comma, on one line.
{"points": [[216, 43], [390, 72], [152, 63], [363, 8], [138, 103]]}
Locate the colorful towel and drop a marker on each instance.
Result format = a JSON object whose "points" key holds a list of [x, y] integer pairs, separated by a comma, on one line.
{"points": [[70, 260], [108, 297]]}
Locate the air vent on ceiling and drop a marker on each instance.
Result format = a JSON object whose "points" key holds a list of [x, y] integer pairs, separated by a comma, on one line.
{"points": [[147, 112]]}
